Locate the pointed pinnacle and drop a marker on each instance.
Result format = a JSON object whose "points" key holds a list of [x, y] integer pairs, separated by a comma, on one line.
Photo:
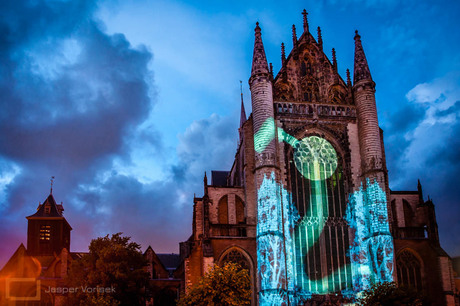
{"points": [[320, 38], [305, 21], [334, 60], [294, 36], [283, 54], [259, 60], [361, 68], [348, 78]]}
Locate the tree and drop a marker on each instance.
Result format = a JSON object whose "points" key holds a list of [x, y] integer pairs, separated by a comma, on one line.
{"points": [[388, 293], [112, 273], [226, 285]]}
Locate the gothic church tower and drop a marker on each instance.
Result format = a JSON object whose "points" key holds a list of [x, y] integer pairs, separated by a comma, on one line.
{"points": [[306, 206], [323, 223]]}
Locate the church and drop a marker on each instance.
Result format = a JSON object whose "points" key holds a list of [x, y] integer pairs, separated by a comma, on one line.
{"points": [[306, 206]]}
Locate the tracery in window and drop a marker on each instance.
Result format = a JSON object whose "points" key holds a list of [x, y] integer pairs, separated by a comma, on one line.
{"points": [[409, 270]]}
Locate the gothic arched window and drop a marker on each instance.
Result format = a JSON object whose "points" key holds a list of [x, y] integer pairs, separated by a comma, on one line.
{"points": [[409, 270], [223, 210], [321, 234]]}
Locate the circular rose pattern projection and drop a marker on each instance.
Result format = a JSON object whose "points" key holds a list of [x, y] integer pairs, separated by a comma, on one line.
{"points": [[315, 158]]}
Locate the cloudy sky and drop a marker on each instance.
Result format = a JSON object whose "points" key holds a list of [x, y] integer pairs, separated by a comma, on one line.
{"points": [[127, 103]]}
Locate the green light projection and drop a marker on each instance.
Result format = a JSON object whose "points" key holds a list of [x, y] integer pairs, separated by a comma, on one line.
{"points": [[264, 135], [314, 157], [288, 247]]}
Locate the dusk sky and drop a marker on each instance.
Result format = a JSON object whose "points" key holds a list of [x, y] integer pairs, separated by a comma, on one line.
{"points": [[128, 103]]}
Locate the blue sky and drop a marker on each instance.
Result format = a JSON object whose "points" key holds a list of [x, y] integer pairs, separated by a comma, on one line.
{"points": [[127, 103]]}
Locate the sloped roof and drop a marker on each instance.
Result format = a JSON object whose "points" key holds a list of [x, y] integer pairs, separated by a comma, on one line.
{"points": [[54, 211], [219, 178], [20, 258], [170, 261]]}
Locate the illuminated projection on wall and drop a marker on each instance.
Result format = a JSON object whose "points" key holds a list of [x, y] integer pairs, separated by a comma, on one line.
{"points": [[372, 249], [303, 238]]}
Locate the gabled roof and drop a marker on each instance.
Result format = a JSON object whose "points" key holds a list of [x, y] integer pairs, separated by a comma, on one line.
{"points": [[154, 256], [30, 267]]}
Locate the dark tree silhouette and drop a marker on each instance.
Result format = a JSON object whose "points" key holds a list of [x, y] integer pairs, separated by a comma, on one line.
{"points": [[112, 273]]}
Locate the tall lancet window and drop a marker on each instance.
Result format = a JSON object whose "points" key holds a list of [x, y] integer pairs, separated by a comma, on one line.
{"points": [[321, 234]]}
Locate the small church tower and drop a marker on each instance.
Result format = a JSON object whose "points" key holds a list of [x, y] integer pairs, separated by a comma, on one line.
{"points": [[48, 231]]}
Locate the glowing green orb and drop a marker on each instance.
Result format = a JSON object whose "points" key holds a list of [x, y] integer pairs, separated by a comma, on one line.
{"points": [[315, 158]]}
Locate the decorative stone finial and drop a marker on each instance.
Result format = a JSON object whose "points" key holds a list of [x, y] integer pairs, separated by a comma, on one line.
{"points": [[357, 36]]}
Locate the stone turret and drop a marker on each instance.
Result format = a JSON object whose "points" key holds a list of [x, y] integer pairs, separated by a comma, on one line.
{"points": [[271, 248], [262, 105], [372, 163]]}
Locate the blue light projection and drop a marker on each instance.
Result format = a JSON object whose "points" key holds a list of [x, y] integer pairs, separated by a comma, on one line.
{"points": [[276, 219], [371, 253], [287, 242]]}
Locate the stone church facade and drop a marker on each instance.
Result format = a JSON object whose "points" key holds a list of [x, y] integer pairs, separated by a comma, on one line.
{"points": [[306, 206]]}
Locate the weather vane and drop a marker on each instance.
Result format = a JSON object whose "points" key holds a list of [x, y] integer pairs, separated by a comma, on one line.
{"points": [[52, 182]]}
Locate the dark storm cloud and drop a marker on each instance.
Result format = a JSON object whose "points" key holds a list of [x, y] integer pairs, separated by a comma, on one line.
{"points": [[453, 110], [151, 213], [398, 124], [144, 210], [406, 118], [71, 97], [423, 143], [208, 144], [441, 176]]}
